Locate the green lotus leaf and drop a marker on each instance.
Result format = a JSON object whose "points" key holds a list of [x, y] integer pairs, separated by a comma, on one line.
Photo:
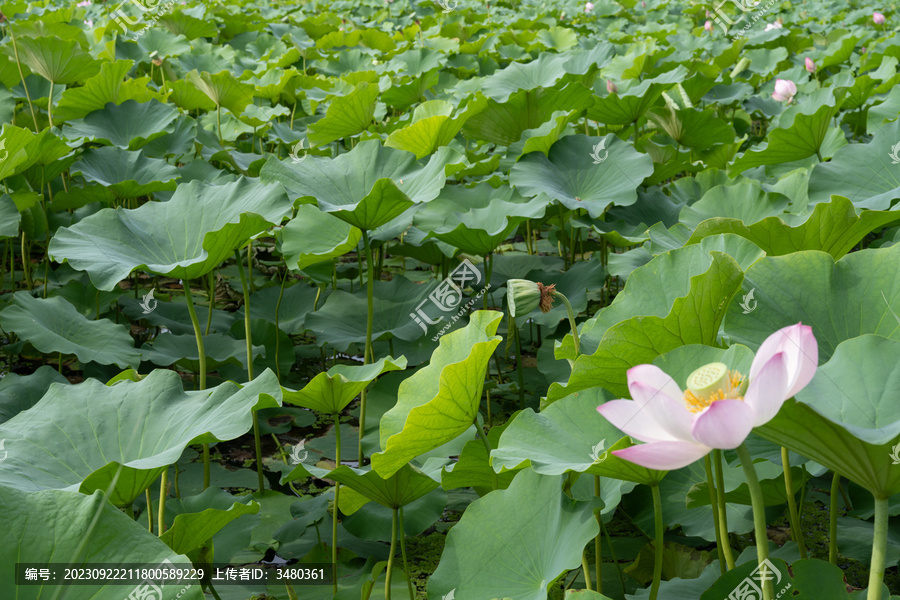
{"points": [[694, 128], [330, 392], [504, 123], [313, 237], [433, 127], [168, 349], [483, 554], [842, 299], [127, 174], [109, 85], [223, 89], [21, 392], [833, 227], [542, 138], [130, 125], [403, 487], [473, 469], [745, 201], [53, 325], [478, 219], [162, 43], [865, 173], [581, 279], [693, 319], [571, 174], [52, 526], [175, 316], [630, 103], [55, 59], [346, 116], [342, 319], [297, 301], [847, 417], [189, 531], [366, 187], [439, 402], [186, 237], [544, 72], [571, 436], [190, 27], [15, 150], [9, 217], [83, 435]]}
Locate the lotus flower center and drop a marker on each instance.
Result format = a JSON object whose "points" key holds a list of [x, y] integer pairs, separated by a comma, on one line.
{"points": [[710, 383]]}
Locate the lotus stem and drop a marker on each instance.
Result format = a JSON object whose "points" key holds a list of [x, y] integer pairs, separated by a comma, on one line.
{"points": [[337, 496], [149, 510], [257, 443], [412, 593], [22, 77], [658, 542], [598, 550], [586, 569], [759, 515], [520, 374], [367, 353], [278, 327], [390, 565], [565, 301], [163, 484], [202, 357], [879, 548], [715, 508], [50, 106], [832, 519], [495, 483], [219, 124], [722, 508], [212, 300], [796, 533]]}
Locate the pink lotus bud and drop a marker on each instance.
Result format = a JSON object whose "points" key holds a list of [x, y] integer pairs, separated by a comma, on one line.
{"points": [[877, 17], [708, 26], [785, 90], [588, 7], [810, 65], [611, 87]]}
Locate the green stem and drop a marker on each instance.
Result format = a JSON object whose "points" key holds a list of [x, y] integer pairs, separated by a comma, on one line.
{"points": [[796, 533], [598, 551], [202, 354], [715, 508], [22, 77], [163, 484], [520, 373], [368, 354], [277, 326], [212, 300], [561, 296], [257, 443], [219, 125], [722, 507], [759, 514], [50, 106], [129, 510], [832, 520], [586, 569], [149, 510], [337, 495], [487, 447], [412, 593], [879, 548], [658, 542], [390, 565]]}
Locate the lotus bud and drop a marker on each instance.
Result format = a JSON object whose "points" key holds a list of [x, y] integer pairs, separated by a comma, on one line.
{"points": [[740, 67], [785, 90], [708, 26], [588, 7], [523, 296], [810, 65], [611, 87], [877, 17]]}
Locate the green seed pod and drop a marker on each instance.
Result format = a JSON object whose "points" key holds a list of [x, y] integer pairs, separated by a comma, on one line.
{"points": [[522, 296]]}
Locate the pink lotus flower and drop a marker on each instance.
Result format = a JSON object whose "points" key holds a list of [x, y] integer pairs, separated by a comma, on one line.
{"points": [[708, 26], [719, 408], [611, 87], [588, 7], [84, 3], [810, 65], [785, 90], [775, 25], [877, 17], [89, 23]]}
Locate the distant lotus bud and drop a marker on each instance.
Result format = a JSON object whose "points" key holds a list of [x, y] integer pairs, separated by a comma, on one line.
{"points": [[785, 90], [810, 65], [589, 6], [708, 26], [611, 87], [877, 17]]}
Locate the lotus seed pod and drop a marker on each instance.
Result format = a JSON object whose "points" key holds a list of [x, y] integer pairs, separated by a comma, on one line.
{"points": [[522, 296], [708, 380]]}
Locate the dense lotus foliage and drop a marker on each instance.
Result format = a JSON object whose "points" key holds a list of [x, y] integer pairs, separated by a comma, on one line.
{"points": [[451, 300]]}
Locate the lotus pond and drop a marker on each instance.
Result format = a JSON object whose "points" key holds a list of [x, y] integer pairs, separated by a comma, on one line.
{"points": [[449, 300]]}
